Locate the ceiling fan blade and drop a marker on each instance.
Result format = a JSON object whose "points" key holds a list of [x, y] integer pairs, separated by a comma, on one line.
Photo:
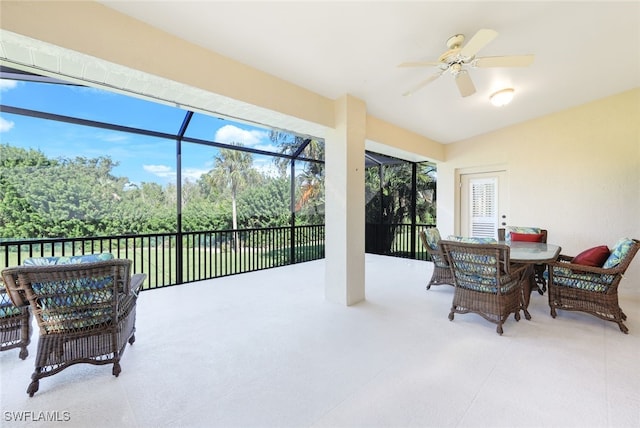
{"points": [[420, 64], [504, 61], [477, 42], [465, 85], [422, 84]]}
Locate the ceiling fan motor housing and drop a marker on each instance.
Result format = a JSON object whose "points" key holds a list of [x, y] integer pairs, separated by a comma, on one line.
{"points": [[452, 56], [454, 42]]}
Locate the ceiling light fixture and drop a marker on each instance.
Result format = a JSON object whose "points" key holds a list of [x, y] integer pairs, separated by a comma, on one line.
{"points": [[502, 97]]}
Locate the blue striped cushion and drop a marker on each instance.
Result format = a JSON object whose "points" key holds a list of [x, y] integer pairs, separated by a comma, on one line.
{"points": [[6, 306], [67, 260], [472, 239], [584, 281]]}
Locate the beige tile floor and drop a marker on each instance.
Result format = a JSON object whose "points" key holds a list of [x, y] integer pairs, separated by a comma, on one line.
{"points": [[266, 349]]}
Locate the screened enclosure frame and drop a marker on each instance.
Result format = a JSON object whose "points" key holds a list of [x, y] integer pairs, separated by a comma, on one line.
{"points": [[180, 137]]}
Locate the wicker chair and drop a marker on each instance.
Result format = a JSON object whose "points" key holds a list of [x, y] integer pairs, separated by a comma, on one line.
{"points": [[538, 270], [15, 325], [486, 282], [85, 311], [441, 271], [594, 290]]}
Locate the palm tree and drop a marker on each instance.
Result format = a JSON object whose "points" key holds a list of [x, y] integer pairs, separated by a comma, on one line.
{"points": [[233, 171], [311, 180], [389, 203], [311, 198]]}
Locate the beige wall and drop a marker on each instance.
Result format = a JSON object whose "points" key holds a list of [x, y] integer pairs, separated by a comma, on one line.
{"points": [[385, 138], [575, 173]]}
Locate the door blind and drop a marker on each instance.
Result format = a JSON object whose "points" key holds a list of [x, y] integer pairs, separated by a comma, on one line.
{"points": [[484, 215]]}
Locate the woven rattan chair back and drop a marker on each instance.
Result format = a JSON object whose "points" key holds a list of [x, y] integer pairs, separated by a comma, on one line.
{"points": [[502, 235], [485, 281], [85, 312], [593, 290], [441, 271]]}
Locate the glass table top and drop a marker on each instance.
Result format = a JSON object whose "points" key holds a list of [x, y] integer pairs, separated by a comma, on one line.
{"points": [[532, 251]]}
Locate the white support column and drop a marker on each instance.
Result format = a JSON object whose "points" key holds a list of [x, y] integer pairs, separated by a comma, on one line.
{"points": [[344, 203]]}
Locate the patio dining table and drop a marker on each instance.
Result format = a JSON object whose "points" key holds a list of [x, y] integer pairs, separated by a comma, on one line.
{"points": [[531, 253]]}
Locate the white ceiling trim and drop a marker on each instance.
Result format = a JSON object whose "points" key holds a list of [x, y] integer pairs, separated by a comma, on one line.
{"points": [[43, 58]]}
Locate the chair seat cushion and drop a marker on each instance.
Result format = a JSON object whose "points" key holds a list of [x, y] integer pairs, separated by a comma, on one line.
{"points": [[7, 309], [485, 284], [595, 256], [585, 281], [59, 321], [439, 261]]}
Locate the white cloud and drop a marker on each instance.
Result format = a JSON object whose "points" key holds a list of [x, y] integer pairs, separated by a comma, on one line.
{"points": [[114, 137], [268, 147], [233, 134], [5, 125], [193, 174], [167, 172], [5, 84], [266, 166], [163, 171], [268, 170]]}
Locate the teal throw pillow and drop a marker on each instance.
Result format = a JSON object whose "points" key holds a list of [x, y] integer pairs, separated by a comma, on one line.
{"points": [[433, 237], [619, 252]]}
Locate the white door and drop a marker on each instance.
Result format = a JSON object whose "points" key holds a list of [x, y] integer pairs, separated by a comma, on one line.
{"points": [[483, 202]]}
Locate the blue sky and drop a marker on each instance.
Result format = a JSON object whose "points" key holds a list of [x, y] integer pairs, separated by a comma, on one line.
{"points": [[140, 158]]}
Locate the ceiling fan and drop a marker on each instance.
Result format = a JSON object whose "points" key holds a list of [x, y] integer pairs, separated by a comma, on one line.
{"points": [[458, 58]]}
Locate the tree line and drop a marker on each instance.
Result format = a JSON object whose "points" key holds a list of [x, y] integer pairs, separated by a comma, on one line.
{"points": [[41, 197]]}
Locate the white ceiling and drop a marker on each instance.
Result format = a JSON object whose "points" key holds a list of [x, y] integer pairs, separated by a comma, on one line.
{"points": [[583, 51]]}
